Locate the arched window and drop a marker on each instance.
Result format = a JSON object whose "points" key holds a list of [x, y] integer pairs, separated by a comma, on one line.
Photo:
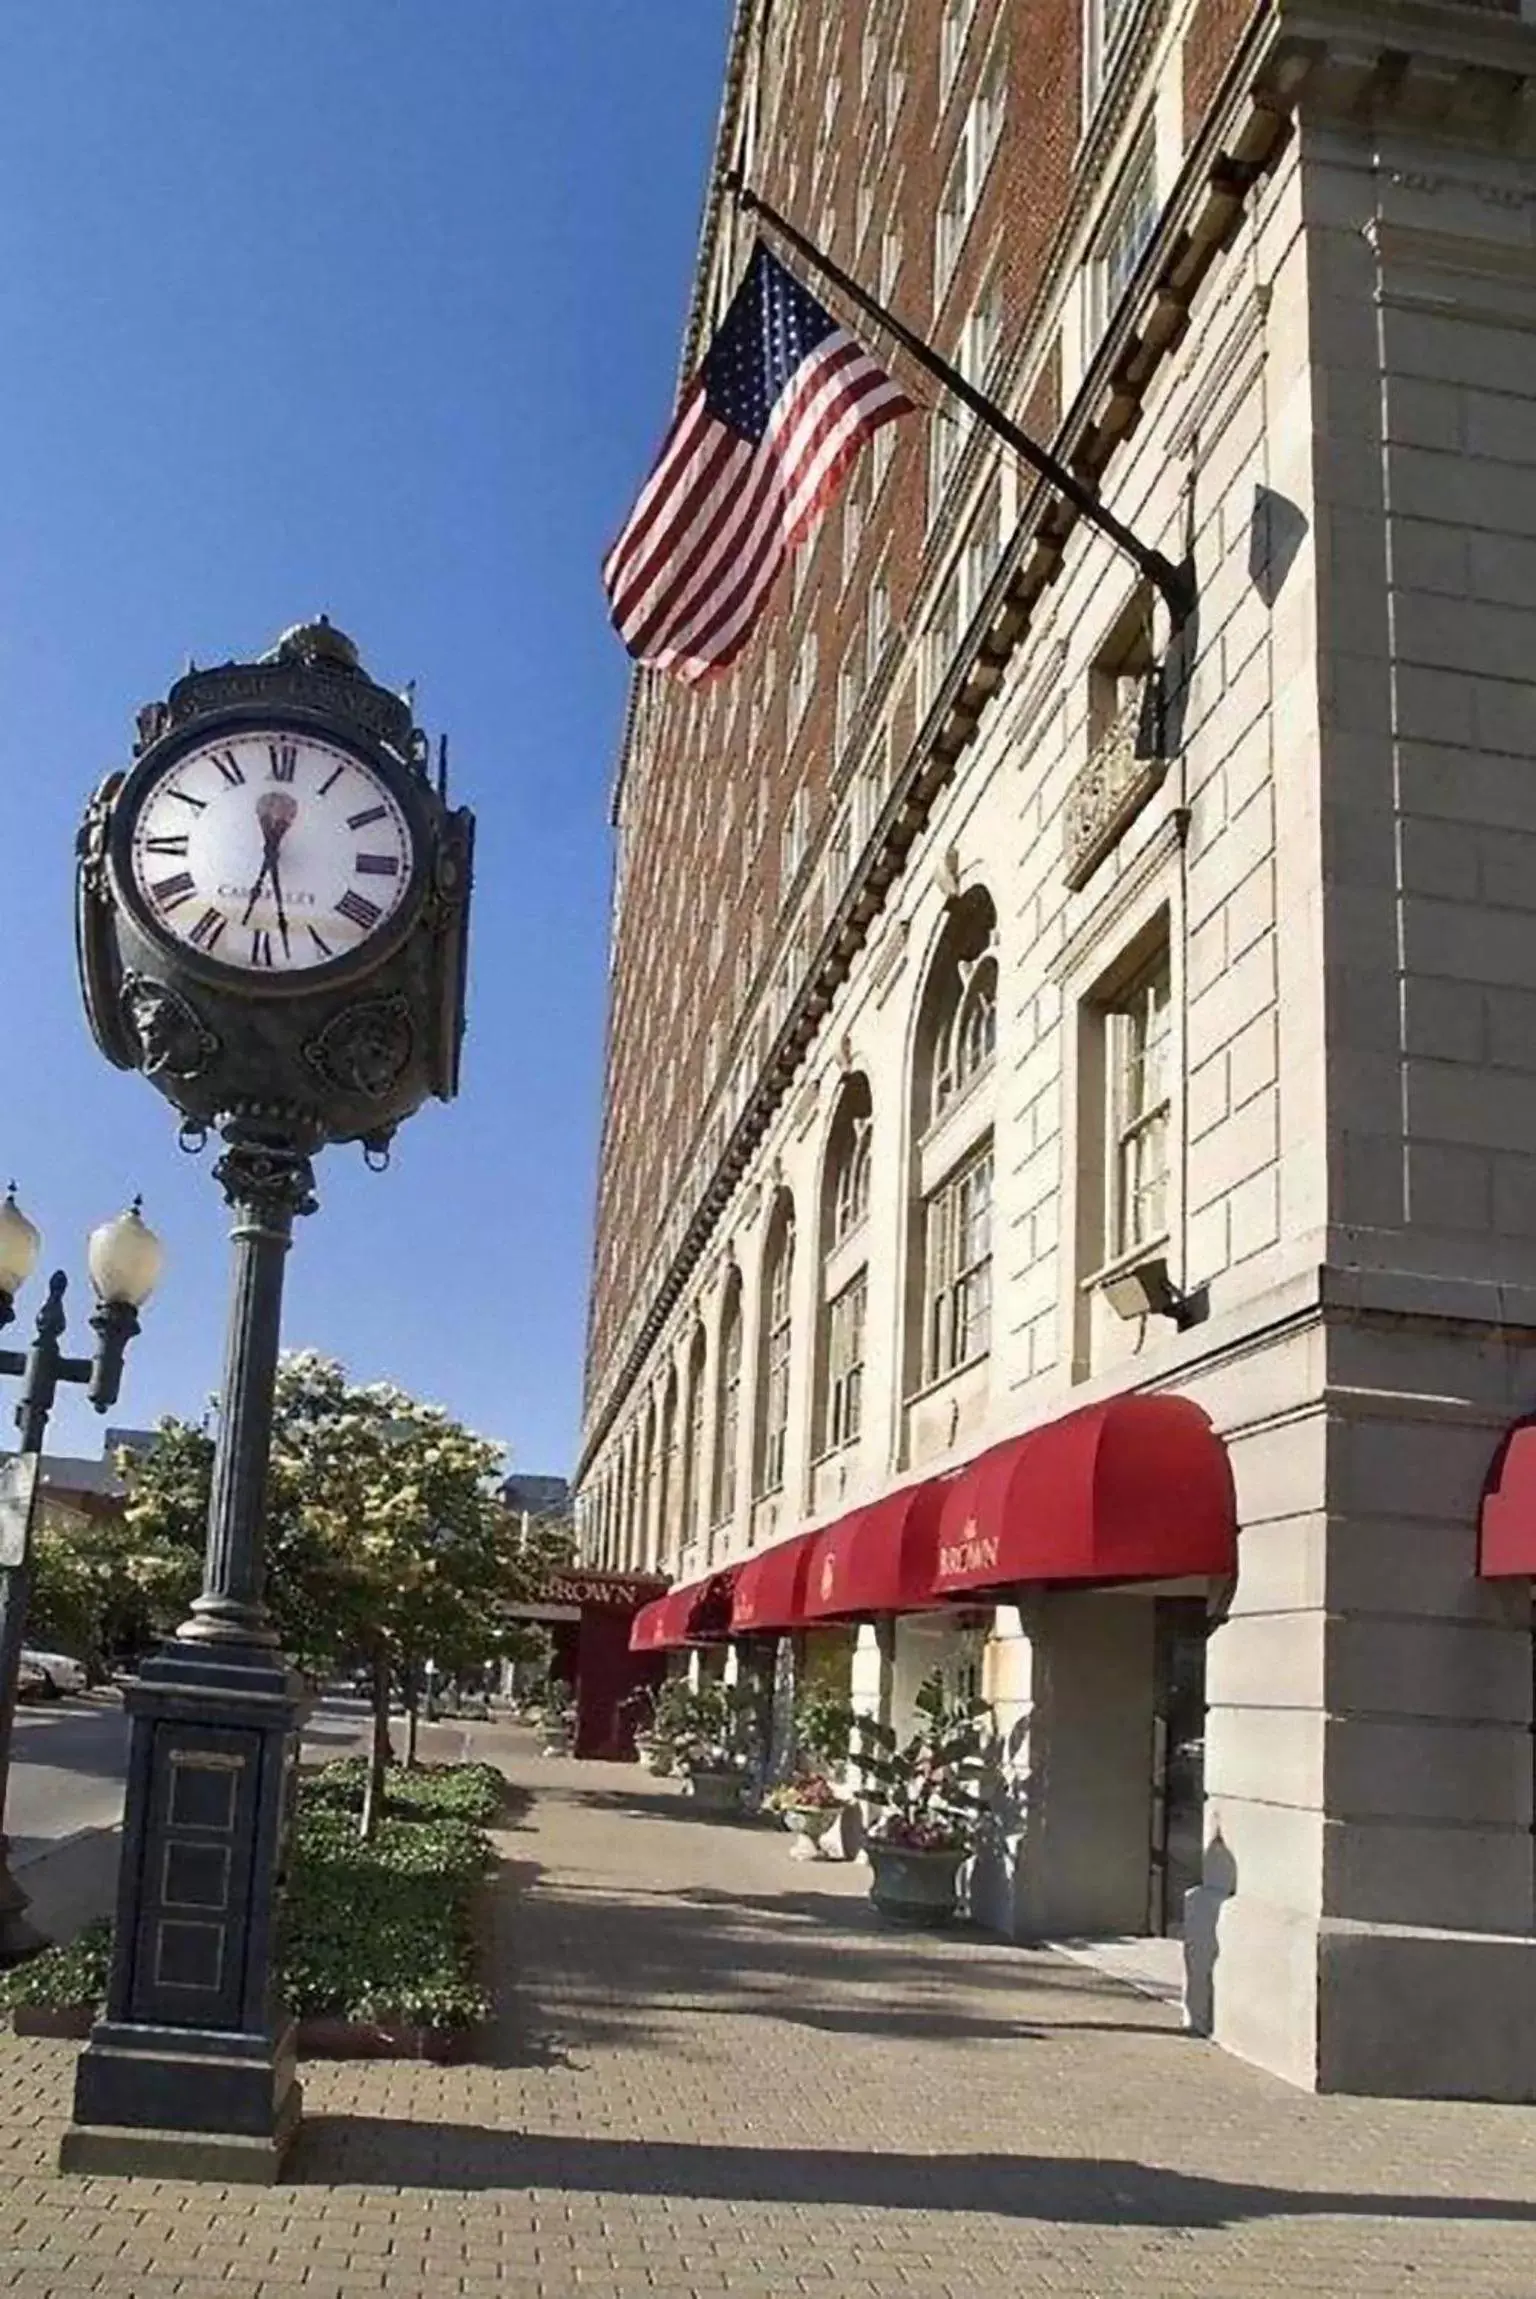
{"points": [[843, 1293], [778, 1271], [666, 1500], [968, 1042], [691, 1518], [728, 1413], [950, 1316]]}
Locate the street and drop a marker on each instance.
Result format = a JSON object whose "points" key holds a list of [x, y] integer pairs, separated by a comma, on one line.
{"points": [[69, 1757]]}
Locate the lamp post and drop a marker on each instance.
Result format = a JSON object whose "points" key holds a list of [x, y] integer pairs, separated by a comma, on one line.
{"points": [[124, 1257]]}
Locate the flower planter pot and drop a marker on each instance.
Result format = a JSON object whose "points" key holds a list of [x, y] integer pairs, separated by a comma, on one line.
{"points": [[811, 1825], [654, 1758], [557, 1740], [717, 1791], [916, 1888], [71, 2021]]}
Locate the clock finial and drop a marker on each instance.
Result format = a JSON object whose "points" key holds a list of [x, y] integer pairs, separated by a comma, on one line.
{"points": [[318, 641]]}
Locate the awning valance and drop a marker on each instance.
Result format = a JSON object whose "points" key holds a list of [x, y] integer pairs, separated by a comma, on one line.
{"points": [[770, 1589], [878, 1559], [697, 1613], [1506, 1532], [1137, 1488]]}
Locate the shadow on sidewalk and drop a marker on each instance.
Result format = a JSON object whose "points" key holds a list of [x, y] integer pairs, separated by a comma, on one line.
{"points": [[377, 2151]]}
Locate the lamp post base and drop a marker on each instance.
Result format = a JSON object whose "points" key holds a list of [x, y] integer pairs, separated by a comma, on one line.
{"points": [[192, 2073]]}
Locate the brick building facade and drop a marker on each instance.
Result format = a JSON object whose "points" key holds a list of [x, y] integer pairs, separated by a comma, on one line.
{"points": [[1034, 1026]]}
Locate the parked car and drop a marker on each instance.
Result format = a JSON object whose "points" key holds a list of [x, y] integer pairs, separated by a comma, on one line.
{"points": [[63, 1673], [34, 1683]]}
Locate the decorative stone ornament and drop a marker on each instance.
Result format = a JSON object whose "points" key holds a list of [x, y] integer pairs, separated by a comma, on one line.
{"points": [[273, 900]]}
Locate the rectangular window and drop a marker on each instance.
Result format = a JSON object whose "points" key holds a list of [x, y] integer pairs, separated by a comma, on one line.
{"points": [[882, 449], [983, 547], [845, 1363], [890, 261], [963, 186], [877, 624], [793, 838], [959, 1268], [940, 639], [945, 440], [730, 1422], [1140, 1031], [776, 1372], [954, 30], [853, 523], [981, 335], [850, 689], [1125, 236], [839, 856], [1104, 26], [802, 678]]}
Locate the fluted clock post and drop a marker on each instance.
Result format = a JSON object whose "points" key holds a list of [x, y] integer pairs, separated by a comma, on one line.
{"points": [[273, 908]]}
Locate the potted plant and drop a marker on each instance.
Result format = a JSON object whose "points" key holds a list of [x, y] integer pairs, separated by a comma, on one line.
{"points": [[930, 1804], [713, 1746], [810, 1808], [653, 1736], [558, 1722]]}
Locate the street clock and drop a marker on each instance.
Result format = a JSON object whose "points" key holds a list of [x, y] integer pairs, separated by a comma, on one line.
{"points": [[273, 901]]}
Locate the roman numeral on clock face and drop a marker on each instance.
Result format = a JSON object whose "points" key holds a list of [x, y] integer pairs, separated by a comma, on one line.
{"points": [[377, 865], [261, 946], [284, 758], [359, 909], [229, 767], [208, 929], [171, 845], [170, 893], [369, 814]]}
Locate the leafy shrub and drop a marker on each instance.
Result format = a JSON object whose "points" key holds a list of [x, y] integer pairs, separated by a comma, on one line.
{"points": [[931, 1789], [428, 1791], [60, 1978], [368, 1930]]}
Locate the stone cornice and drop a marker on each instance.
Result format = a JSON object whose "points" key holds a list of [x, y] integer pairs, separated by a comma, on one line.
{"points": [[1432, 64]]}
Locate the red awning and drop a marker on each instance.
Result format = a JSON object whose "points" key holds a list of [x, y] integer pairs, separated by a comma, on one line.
{"points": [[1506, 1533], [877, 1559], [697, 1613], [770, 1589], [661, 1626], [1136, 1489]]}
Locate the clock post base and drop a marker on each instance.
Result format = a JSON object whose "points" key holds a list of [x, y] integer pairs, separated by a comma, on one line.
{"points": [[194, 2064]]}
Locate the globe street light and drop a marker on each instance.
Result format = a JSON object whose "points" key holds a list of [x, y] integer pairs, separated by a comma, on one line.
{"points": [[125, 1259]]}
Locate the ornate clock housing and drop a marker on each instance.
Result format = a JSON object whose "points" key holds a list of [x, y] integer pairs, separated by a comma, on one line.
{"points": [[273, 901]]}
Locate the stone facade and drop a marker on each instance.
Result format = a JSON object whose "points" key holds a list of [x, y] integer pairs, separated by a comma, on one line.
{"points": [[1310, 898]]}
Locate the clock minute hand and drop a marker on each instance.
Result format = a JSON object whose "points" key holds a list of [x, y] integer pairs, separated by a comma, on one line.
{"points": [[268, 860], [277, 894]]}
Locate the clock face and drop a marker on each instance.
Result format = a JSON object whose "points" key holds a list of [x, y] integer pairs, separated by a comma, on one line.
{"points": [[270, 851]]}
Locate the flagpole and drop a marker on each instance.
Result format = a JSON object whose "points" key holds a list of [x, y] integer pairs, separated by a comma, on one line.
{"points": [[1176, 583]]}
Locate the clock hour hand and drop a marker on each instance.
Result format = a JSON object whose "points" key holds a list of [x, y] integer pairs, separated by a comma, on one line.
{"points": [[277, 896], [268, 859]]}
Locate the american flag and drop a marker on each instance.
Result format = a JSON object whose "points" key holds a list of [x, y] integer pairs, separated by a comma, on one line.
{"points": [[781, 405]]}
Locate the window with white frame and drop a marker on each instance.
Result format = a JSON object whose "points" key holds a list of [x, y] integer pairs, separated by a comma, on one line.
{"points": [[946, 438], [981, 334], [869, 55], [890, 261], [693, 1440], [983, 547], [968, 1042], [840, 855], [877, 625], [979, 137], [874, 782], [1125, 236], [864, 197], [850, 689], [850, 1189], [802, 678], [895, 88], [941, 637], [882, 450], [777, 1282], [793, 837], [958, 1267], [1139, 1026], [728, 1413], [854, 500], [1104, 26], [954, 31], [845, 1364]]}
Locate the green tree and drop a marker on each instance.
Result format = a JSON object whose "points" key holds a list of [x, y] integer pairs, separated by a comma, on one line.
{"points": [[101, 1586], [386, 1540]]}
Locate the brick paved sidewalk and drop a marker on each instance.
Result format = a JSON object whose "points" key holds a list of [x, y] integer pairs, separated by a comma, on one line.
{"points": [[717, 2073]]}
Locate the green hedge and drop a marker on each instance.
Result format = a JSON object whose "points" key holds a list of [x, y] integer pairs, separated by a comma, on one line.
{"points": [[429, 1791], [368, 1930]]}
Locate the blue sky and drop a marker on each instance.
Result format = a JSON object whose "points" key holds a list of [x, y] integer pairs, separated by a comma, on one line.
{"points": [[370, 306]]}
